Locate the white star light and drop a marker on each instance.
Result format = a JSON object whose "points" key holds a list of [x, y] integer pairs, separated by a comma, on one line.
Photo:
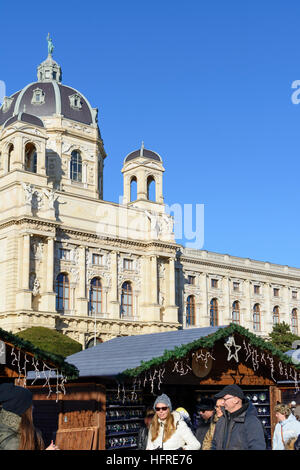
{"points": [[228, 345]]}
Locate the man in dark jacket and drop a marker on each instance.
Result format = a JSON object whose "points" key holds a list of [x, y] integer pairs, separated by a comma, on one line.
{"points": [[239, 428], [144, 429], [206, 409]]}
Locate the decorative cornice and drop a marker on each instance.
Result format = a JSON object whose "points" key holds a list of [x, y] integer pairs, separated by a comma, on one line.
{"points": [[238, 268], [46, 225]]}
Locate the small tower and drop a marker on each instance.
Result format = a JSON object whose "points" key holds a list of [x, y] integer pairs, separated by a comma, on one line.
{"points": [[143, 168], [49, 70]]}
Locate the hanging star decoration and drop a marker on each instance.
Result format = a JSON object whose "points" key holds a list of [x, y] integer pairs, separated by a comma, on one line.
{"points": [[228, 345]]}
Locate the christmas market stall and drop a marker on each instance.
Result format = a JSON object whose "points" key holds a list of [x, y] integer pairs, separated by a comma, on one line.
{"points": [[126, 374], [18, 358]]}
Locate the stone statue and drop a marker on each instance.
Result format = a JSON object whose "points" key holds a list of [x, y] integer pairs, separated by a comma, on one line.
{"points": [[51, 197], [155, 226], [29, 191], [50, 45], [36, 287], [168, 224]]}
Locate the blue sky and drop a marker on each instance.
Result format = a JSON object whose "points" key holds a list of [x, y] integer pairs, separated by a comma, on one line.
{"points": [[206, 84]]}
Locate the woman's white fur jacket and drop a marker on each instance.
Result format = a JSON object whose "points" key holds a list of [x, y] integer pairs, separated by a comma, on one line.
{"points": [[182, 438]]}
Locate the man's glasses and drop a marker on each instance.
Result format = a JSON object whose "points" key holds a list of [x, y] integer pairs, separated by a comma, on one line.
{"points": [[161, 408], [225, 399]]}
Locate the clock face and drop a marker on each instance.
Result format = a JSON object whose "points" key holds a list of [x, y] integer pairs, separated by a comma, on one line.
{"points": [[201, 363]]}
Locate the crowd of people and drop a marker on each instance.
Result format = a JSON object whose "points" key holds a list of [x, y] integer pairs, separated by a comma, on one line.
{"points": [[228, 421]]}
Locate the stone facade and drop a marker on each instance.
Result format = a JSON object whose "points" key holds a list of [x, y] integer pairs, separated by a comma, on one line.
{"points": [[90, 268]]}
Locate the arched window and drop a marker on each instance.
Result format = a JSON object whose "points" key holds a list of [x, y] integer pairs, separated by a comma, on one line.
{"points": [[95, 303], [133, 189], [256, 317], [276, 315], [236, 312], [30, 158], [76, 166], [213, 312], [151, 188], [91, 343], [62, 292], [126, 300], [10, 151], [190, 310], [294, 321]]}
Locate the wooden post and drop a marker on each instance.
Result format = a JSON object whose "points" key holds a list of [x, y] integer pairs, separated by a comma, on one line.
{"points": [[275, 396]]}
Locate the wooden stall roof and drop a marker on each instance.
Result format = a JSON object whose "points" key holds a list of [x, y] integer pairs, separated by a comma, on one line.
{"points": [[208, 342], [14, 343], [111, 358]]}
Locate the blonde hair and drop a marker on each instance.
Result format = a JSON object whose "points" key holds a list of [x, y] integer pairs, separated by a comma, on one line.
{"points": [[169, 427], [283, 409], [289, 445]]}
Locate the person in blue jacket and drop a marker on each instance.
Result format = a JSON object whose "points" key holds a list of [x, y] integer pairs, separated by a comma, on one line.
{"points": [[239, 428], [286, 428]]}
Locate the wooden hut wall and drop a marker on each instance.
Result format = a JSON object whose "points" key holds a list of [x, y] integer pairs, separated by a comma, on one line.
{"points": [[76, 421]]}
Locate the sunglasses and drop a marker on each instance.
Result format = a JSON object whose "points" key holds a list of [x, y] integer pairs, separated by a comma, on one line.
{"points": [[161, 408]]}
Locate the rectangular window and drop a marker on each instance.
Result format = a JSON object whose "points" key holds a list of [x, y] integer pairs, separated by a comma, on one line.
{"points": [[128, 264], [214, 283], [236, 286], [294, 294], [256, 289], [276, 292], [191, 280], [64, 254], [97, 259]]}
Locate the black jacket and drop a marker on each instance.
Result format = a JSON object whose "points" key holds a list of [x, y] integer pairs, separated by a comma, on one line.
{"points": [[241, 430], [202, 429], [142, 438]]}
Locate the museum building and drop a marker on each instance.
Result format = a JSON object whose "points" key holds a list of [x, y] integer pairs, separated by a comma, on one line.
{"points": [[90, 268]]}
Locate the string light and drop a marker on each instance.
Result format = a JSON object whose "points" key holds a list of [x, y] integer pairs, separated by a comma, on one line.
{"points": [[203, 357]]}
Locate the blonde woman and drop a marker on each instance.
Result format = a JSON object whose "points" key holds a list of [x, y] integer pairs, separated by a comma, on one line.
{"points": [[286, 428], [168, 431]]}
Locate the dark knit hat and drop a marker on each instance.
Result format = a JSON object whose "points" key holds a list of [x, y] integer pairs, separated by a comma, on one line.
{"points": [[206, 404], [233, 390], [15, 399]]}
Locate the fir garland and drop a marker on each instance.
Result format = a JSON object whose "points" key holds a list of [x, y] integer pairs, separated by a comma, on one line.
{"points": [[208, 342], [58, 361]]}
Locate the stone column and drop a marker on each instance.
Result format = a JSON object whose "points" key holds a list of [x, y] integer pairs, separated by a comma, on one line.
{"points": [[48, 300], [50, 264], [247, 322], [82, 298], [114, 300], [154, 280], [171, 311], [225, 317], [285, 312], [26, 261], [41, 160], [267, 320], [150, 309], [141, 185], [24, 296]]}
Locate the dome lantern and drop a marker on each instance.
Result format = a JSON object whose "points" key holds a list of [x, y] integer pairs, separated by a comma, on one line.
{"points": [[49, 70]]}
